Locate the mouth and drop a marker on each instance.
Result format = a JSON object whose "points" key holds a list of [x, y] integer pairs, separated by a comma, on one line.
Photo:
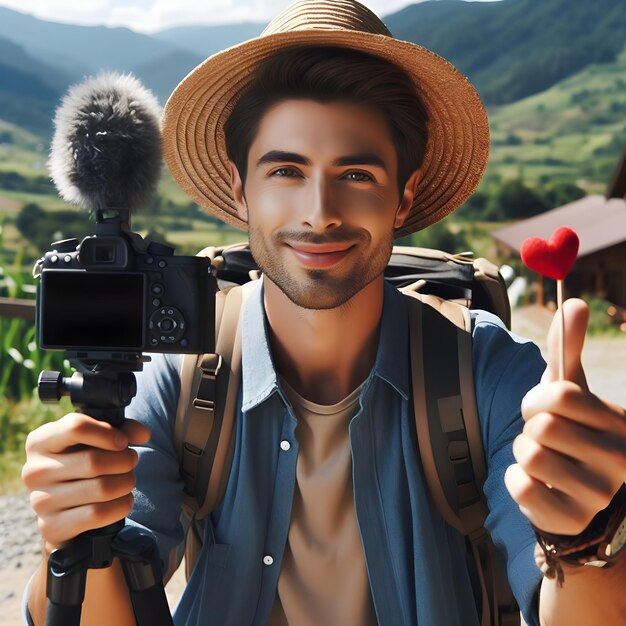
{"points": [[320, 256]]}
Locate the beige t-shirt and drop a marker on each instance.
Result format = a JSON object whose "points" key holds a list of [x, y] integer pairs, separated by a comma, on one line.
{"points": [[323, 580]]}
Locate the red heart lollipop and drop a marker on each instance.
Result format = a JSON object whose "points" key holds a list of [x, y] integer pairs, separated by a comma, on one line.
{"points": [[553, 258]]}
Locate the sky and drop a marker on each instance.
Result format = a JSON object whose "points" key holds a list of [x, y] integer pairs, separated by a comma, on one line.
{"points": [[153, 15]]}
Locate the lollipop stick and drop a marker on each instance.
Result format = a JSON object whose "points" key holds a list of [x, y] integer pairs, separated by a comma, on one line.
{"points": [[559, 302]]}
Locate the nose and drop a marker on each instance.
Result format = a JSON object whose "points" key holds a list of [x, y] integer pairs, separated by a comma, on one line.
{"points": [[321, 211]]}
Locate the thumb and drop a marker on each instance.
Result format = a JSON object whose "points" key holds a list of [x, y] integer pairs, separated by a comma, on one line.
{"points": [[576, 313]]}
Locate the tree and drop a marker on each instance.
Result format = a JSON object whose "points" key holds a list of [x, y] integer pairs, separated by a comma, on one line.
{"points": [[517, 201], [41, 227], [562, 193]]}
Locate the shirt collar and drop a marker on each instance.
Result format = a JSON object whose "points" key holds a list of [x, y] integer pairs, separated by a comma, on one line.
{"points": [[259, 378], [392, 358]]}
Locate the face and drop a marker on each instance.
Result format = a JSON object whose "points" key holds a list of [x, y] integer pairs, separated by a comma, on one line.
{"points": [[321, 199]]}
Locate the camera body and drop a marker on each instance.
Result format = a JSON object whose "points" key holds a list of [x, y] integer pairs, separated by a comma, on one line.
{"points": [[115, 292]]}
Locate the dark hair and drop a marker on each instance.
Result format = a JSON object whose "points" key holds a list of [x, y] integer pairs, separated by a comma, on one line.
{"points": [[328, 74]]}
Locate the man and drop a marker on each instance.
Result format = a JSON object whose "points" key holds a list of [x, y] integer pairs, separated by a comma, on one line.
{"points": [[326, 138]]}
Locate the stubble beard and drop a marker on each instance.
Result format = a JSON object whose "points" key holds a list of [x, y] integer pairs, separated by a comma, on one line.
{"points": [[320, 289]]}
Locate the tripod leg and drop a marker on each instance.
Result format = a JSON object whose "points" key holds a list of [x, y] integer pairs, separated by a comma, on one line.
{"points": [[67, 575], [139, 556]]}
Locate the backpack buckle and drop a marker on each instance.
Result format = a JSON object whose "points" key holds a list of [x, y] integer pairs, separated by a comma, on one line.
{"points": [[210, 366]]}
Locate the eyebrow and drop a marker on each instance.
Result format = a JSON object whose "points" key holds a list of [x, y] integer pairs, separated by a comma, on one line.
{"points": [[363, 158], [279, 156]]}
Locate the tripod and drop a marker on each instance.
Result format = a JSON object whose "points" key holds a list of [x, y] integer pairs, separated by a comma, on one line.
{"points": [[103, 391]]}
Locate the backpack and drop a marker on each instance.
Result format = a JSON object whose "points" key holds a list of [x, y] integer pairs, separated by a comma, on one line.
{"points": [[440, 289]]}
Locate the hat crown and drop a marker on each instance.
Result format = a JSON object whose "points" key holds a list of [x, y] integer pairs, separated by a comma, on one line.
{"points": [[326, 15]]}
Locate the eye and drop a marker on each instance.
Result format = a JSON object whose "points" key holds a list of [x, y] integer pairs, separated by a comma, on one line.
{"points": [[358, 177], [284, 172]]}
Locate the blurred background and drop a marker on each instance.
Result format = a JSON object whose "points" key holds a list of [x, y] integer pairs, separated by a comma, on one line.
{"points": [[552, 74]]}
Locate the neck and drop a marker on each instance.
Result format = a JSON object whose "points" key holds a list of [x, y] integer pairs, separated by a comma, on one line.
{"points": [[324, 354]]}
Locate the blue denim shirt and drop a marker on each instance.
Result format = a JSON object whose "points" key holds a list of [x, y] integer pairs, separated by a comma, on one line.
{"points": [[416, 563]]}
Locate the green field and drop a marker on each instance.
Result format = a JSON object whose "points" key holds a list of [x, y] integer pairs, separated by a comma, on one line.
{"points": [[573, 131]]}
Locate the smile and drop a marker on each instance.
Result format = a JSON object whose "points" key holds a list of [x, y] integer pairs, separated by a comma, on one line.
{"points": [[320, 256]]}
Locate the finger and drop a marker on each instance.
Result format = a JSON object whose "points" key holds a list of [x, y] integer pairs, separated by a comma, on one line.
{"points": [[591, 446], [576, 314], [65, 525], [74, 429], [76, 493], [548, 509], [137, 433], [79, 464], [563, 473], [570, 401]]}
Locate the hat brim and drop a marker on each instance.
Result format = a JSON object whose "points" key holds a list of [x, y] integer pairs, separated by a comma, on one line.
{"points": [[458, 143]]}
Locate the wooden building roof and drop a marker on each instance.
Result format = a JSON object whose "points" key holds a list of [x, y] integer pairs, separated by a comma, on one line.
{"points": [[599, 222]]}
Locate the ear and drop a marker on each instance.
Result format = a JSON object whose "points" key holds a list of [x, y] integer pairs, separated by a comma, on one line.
{"points": [[406, 201], [238, 193]]}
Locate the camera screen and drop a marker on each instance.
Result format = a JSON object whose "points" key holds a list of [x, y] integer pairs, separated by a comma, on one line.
{"points": [[91, 310]]}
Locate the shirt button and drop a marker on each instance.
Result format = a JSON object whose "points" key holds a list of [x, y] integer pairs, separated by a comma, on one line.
{"points": [[268, 560], [285, 445]]}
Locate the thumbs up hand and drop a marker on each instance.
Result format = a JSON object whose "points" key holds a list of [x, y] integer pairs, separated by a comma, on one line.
{"points": [[571, 453]]}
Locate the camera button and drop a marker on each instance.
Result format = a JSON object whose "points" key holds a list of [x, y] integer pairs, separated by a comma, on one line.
{"points": [[156, 302], [68, 259], [154, 342], [162, 264], [54, 258], [149, 260]]}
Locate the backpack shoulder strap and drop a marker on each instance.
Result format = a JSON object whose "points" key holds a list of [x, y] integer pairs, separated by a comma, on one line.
{"points": [[446, 421], [449, 436], [449, 439], [205, 417]]}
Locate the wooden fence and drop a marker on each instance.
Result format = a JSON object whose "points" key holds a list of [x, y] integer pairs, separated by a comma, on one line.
{"points": [[14, 307]]}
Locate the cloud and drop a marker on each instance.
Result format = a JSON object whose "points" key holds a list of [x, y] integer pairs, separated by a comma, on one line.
{"points": [[152, 15]]}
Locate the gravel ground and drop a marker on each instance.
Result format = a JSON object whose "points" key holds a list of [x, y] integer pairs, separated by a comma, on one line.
{"points": [[20, 552], [20, 555]]}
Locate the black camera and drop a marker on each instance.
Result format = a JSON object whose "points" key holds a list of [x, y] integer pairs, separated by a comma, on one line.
{"points": [[116, 292]]}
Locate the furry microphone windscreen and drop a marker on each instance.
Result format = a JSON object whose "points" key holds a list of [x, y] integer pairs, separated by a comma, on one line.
{"points": [[106, 149]]}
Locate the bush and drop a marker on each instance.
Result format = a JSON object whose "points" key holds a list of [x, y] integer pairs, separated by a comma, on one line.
{"points": [[438, 236], [41, 227], [562, 193], [517, 201]]}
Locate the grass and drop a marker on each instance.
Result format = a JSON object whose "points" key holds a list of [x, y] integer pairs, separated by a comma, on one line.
{"points": [[17, 419], [599, 321], [20, 363]]}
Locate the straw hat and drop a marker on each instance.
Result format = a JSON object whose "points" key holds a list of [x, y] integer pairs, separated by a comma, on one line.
{"points": [[194, 116]]}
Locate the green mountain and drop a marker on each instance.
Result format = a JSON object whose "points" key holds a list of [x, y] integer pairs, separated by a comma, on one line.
{"points": [[510, 49], [574, 131], [162, 74], [207, 40], [29, 89], [515, 48], [80, 50]]}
